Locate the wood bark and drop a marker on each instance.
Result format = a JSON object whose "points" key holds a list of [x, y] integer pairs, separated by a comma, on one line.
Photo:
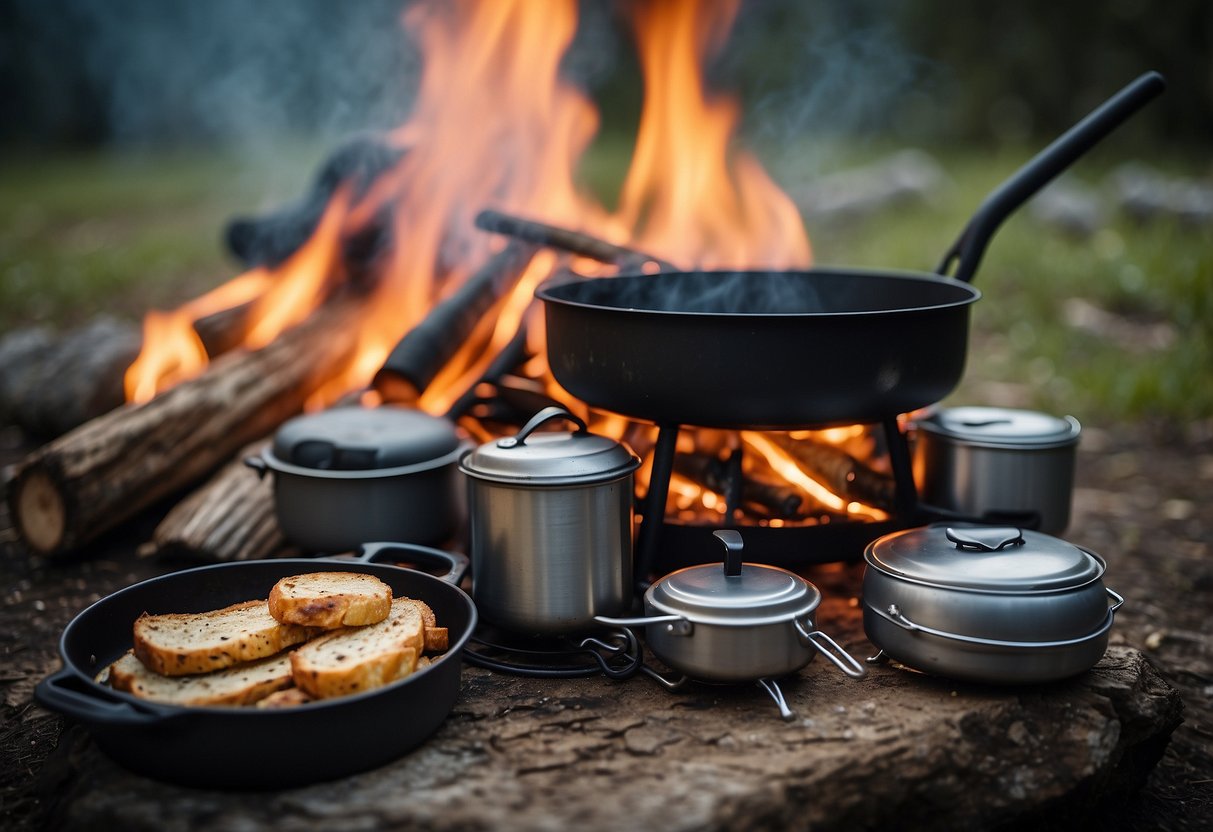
{"points": [[230, 517], [87, 481]]}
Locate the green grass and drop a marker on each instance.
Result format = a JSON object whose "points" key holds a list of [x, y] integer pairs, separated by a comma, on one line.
{"points": [[84, 234]]}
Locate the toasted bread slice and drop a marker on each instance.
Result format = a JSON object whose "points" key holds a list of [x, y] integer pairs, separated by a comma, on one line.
{"points": [[360, 658], [185, 644], [330, 600], [241, 685], [437, 639], [286, 698]]}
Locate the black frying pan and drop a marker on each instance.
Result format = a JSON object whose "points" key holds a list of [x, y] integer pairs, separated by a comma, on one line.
{"points": [[249, 748], [792, 349]]}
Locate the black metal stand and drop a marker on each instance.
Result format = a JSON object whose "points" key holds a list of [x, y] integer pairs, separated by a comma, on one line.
{"points": [[662, 546]]}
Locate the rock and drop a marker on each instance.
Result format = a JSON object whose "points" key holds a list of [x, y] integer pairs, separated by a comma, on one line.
{"points": [[1147, 194], [906, 177]]}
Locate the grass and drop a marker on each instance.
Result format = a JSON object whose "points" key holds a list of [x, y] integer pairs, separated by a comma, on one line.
{"points": [[83, 234]]}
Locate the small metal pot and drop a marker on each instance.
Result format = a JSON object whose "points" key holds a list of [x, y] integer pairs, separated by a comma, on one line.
{"points": [[987, 604], [747, 622], [1001, 465], [349, 475], [551, 527]]}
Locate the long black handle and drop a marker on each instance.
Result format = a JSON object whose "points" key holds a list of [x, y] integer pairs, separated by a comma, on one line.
{"points": [[966, 252]]}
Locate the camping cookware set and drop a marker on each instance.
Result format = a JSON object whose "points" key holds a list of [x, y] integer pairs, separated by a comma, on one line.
{"points": [[549, 512]]}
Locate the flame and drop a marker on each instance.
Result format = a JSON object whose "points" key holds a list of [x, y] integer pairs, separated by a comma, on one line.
{"points": [[495, 125], [681, 195]]}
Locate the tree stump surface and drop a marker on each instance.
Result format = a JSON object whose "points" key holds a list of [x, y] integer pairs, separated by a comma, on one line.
{"points": [[896, 748]]}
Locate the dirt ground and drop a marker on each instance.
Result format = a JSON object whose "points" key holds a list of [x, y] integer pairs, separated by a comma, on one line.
{"points": [[1142, 502]]}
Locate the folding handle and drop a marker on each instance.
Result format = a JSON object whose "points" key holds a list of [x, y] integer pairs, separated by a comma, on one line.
{"points": [[831, 649], [545, 415]]}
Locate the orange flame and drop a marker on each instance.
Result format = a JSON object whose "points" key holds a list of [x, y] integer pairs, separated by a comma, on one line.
{"points": [[494, 125]]}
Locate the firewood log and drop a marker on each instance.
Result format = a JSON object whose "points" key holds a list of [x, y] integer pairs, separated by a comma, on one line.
{"points": [[839, 471], [85, 482], [230, 517]]}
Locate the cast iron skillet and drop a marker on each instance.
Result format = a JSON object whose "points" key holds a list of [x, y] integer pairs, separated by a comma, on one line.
{"points": [[248, 748], [792, 349]]}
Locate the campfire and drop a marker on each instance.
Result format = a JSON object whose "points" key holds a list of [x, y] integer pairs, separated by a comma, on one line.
{"points": [[384, 286]]}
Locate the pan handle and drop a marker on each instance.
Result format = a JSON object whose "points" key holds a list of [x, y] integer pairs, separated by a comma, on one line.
{"points": [[57, 692], [455, 562], [966, 252]]}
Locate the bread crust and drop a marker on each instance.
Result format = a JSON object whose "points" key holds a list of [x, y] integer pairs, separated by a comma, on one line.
{"points": [[330, 600], [243, 685], [192, 643], [357, 659]]}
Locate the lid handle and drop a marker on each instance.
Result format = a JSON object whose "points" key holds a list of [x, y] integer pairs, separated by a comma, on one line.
{"points": [[732, 551], [993, 539], [545, 415]]}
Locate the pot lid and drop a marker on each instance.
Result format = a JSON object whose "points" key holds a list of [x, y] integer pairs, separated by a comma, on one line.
{"points": [[362, 438], [1002, 427], [751, 593], [992, 559], [558, 458]]}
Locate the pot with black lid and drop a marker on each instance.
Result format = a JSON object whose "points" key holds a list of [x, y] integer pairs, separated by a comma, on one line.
{"points": [[736, 622], [987, 604], [349, 475], [551, 526]]}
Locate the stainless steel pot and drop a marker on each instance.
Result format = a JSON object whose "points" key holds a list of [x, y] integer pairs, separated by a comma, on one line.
{"points": [[1008, 466], [745, 622], [551, 527], [987, 604], [349, 475]]}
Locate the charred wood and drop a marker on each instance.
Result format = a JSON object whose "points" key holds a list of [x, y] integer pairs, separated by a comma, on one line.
{"points": [[713, 473], [574, 242], [230, 517], [426, 348], [270, 239], [93, 478], [839, 471]]}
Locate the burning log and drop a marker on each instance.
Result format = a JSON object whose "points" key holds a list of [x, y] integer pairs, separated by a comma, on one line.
{"points": [[87, 481], [427, 347], [231, 517], [271, 239], [713, 473], [574, 242], [839, 471]]}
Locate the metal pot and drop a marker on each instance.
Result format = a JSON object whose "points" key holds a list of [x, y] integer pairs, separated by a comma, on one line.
{"points": [[1007, 466], [746, 622], [987, 604], [551, 527], [349, 475], [253, 748]]}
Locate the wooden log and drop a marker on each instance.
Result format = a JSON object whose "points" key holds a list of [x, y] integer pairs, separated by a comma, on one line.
{"points": [[574, 242], [426, 348], [87, 481], [770, 499], [51, 383], [230, 517], [839, 471]]}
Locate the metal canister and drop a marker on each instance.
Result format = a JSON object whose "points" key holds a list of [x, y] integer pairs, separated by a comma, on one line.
{"points": [[998, 464], [551, 527]]}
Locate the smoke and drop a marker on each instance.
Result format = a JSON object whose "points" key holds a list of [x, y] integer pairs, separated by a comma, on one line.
{"points": [[221, 71]]}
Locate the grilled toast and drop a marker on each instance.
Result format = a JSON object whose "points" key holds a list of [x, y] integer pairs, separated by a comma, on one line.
{"points": [[360, 658], [243, 685], [330, 600], [186, 644]]}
